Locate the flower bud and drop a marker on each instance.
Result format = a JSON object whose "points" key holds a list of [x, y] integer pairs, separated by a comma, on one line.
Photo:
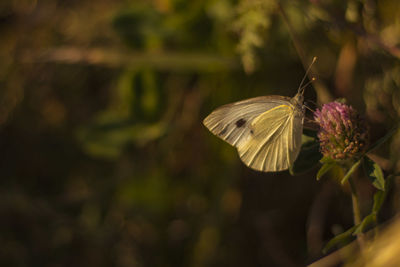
{"points": [[343, 132]]}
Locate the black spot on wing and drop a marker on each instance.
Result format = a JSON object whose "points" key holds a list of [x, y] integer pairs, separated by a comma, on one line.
{"points": [[240, 123]]}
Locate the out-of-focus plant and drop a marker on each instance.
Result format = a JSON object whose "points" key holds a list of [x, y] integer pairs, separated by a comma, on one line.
{"points": [[383, 251], [252, 23]]}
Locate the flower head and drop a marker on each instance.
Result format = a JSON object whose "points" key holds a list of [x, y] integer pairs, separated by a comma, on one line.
{"points": [[343, 133]]}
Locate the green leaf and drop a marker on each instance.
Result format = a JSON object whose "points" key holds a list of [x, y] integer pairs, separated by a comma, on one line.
{"points": [[327, 165], [380, 196], [342, 238], [341, 100], [327, 160], [374, 173], [309, 156], [351, 171], [383, 139], [366, 222]]}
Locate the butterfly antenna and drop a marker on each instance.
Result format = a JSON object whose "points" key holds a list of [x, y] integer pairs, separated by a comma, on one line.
{"points": [[301, 87]]}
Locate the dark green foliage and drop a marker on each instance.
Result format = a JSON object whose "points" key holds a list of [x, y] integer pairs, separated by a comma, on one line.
{"points": [[309, 155], [374, 173]]}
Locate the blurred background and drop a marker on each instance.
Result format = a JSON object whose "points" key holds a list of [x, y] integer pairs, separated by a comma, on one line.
{"points": [[104, 159]]}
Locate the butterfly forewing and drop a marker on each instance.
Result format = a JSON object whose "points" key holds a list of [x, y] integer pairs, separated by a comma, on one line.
{"points": [[231, 122]]}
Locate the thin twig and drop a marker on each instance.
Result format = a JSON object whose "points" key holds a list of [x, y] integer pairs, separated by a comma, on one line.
{"points": [[324, 96], [119, 58]]}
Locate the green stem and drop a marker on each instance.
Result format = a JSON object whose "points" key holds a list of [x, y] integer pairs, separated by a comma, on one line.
{"points": [[376, 230], [356, 212]]}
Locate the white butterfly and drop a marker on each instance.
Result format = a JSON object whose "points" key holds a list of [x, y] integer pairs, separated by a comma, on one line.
{"points": [[265, 130]]}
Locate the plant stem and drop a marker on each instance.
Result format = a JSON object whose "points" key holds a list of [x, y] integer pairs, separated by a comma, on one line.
{"points": [[356, 213]]}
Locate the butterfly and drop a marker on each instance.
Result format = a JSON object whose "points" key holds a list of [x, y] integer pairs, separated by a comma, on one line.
{"points": [[266, 130]]}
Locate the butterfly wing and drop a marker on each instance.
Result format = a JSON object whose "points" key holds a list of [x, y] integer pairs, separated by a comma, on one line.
{"points": [[275, 139], [232, 122]]}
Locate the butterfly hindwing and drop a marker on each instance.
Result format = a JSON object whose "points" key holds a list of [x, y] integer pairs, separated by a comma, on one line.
{"points": [[275, 140]]}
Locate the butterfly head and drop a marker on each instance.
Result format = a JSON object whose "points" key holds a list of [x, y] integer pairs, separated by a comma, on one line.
{"points": [[298, 100]]}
